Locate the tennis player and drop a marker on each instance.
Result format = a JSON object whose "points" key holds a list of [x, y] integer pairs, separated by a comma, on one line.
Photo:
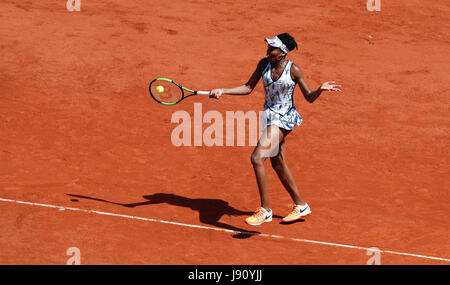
{"points": [[280, 77]]}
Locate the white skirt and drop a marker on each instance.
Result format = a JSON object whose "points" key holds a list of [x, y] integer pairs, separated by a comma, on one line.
{"points": [[272, 115]]}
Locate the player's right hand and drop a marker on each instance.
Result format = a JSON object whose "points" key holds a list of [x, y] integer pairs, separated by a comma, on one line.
{"points": [[216, 93]]}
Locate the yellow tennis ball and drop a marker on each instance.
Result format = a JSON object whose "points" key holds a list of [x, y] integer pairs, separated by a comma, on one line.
{"points": [[160, 89]]}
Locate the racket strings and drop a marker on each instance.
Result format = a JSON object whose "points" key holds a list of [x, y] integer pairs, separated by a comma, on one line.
{"points": [[166, 92]]}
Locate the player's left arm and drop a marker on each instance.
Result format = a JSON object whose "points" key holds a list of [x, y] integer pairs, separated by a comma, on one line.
{"points": [[311, 96]]}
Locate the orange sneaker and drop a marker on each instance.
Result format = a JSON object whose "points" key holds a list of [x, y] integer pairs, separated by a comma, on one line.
{"points": [[259, 217], [297, 213]]}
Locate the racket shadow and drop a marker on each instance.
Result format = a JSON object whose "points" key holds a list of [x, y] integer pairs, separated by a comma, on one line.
{"points": [[210, 210]]}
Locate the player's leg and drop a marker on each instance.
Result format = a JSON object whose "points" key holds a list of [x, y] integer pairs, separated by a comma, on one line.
{"points": [[300, 207], [285, 175], [267, 146]]}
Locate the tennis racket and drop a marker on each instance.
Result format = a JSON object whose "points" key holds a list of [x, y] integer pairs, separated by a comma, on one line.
{"points": [[167, 92]]}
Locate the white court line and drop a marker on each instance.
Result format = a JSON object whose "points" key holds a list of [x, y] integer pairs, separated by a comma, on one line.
{"points": [[62, 208]]}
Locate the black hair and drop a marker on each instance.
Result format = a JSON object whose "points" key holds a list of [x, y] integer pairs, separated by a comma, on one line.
{"points": [[288, 41]]}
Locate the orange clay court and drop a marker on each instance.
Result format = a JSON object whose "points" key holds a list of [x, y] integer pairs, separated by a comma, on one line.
{"points": [[87, 159]]}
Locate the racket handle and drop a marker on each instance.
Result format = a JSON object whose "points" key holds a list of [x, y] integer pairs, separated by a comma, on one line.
{"points": [[203, 93]]}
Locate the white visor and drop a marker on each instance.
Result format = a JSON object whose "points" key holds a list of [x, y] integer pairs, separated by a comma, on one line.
{"points": [[276, 42]]}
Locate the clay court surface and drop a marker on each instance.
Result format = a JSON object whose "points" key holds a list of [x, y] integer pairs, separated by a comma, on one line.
{"points": [[79, 130]]}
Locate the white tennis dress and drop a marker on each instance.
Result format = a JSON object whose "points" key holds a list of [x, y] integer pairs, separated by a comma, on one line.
{"points": [[279, 106]]}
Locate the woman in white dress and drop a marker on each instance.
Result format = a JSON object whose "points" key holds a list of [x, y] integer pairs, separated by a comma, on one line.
{"points": [[280, 115]]}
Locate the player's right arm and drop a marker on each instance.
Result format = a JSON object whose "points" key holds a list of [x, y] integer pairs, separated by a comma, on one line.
{"points": [[245, 89]]}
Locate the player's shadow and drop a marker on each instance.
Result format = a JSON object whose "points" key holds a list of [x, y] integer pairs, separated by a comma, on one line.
{"points": [[210, 210]]}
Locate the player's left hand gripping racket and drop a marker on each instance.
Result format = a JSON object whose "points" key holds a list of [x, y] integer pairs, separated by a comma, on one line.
{"points": [[167, 92]]}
